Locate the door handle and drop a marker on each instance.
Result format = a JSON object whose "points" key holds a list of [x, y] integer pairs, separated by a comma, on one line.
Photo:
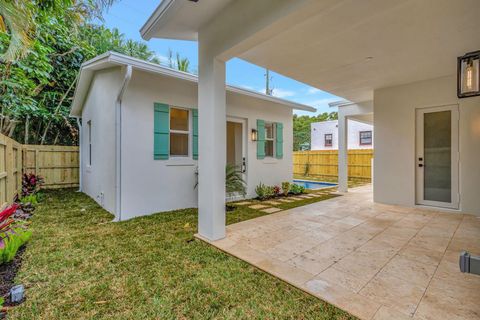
{"points": [[244, 165], [420, 165]]}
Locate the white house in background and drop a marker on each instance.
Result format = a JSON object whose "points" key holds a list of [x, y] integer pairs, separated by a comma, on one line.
{"points": [[324, 135], [396, 60], [139, 139]]}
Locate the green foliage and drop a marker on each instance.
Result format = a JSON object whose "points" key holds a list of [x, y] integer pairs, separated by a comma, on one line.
{"points": [[233, 180], [297, 189], [37, 86], [286, 187], [301, 127], [261, 190], [12, 241], [33, 199]]}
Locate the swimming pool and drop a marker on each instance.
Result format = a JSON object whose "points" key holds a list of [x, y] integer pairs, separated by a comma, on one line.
{"points": [[314, 184]]}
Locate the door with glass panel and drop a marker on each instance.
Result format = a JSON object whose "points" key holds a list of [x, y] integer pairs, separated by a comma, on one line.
{"points": [[437, 157]]}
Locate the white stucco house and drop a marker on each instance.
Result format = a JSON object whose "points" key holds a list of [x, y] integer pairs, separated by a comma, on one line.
{"points": [[396, 62], [140, 134], [324, 135]]}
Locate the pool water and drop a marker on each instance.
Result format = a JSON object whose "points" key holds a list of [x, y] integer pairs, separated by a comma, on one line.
{"points": [[313, 184]]}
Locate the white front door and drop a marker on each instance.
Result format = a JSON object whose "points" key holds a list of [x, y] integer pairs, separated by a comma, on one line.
{"points": [[437, 157], [236, 143]]}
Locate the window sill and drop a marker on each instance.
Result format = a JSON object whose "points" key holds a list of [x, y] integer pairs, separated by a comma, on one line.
{"points": [[180, 162], [270, 161]]}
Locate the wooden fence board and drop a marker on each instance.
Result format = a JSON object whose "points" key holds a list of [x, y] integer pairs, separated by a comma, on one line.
{"points": [[325, 163], [58, 165]]}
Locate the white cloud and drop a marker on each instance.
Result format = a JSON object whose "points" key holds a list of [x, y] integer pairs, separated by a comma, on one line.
{"points": [[280, 93], [313, 90]]}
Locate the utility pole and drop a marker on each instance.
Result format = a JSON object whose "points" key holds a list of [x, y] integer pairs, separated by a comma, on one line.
{"points": [[268, 90]]}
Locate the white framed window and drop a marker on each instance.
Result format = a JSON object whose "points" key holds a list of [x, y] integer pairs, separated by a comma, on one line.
{"points": [[270, 132], [328, 139], [179, 132], [365, 138], [89, 130]]}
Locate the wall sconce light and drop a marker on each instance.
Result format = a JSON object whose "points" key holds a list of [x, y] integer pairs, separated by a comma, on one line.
{"points": [[468, 75], [254, 135]]}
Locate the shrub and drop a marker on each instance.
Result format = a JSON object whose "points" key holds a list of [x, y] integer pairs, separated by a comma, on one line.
{"points": [[286, 187], [297, 189], [31, 183], [270, 192], [261, 191], [276, 190], [11, 241]]}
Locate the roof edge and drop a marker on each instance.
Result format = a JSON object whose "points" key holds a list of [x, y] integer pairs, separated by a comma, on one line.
{"points": [[86, 74], [157, 14]]}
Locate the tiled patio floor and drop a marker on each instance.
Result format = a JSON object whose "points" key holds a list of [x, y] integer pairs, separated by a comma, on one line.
{"points": [[372, 260]]}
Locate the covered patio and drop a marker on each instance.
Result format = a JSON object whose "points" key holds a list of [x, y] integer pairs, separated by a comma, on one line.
{"points": [[373, 260]]}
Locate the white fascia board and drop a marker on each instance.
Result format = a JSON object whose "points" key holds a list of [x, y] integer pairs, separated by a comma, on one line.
{"points": [[160, 12], [110, 59]]}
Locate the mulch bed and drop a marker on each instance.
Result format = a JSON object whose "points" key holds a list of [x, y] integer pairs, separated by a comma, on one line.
{"points": [[8, 271]]}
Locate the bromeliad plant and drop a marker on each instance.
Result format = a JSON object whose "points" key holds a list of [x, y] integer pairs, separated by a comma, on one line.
{"points": [[31, 184], [13, 234], [286, 188]]}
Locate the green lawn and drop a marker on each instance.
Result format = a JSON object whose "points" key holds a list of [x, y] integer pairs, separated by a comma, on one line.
{"points": [[78, 265]]}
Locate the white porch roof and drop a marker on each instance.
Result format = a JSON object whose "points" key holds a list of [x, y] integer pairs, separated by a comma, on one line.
{"points": [[346, 47]]}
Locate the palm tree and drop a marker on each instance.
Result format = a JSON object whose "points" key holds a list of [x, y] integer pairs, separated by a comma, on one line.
{"points": [[182, 63], [18, 19]]}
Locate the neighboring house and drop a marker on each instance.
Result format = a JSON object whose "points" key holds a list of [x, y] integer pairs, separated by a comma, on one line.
{"points": [[139, 139], [398, 63], [324, 135]]}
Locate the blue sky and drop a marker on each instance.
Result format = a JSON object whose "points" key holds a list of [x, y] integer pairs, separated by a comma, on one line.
{"points": [[129, 15]]}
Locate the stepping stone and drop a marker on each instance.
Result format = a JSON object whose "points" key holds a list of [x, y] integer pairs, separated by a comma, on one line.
{"points": [[273, 203], [271, 210], [285, 200], [304, 197], [258, 206], [243, 203]]}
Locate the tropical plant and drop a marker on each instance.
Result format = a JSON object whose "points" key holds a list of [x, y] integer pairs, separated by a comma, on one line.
{"points": [[31, 184], [286, 187], [233, 180], [297, 189], [182, 63], [276, 190], [11, 241], [261, 190], [270, 192], [43, 44]]}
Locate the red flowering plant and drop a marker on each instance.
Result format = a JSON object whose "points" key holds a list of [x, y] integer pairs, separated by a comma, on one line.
{"points": [[31, 184], [276, 191]]}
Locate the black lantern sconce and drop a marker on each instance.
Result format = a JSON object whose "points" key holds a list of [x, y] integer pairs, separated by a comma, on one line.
{"points": [[254, 135], [468, 75]]}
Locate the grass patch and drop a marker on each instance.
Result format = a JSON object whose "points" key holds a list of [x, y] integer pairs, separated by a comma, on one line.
{"points": [[78, 265], [352, 182]]}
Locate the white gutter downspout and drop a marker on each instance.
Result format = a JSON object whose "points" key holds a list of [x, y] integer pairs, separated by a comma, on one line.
{"points": [[118, 143], [80, 162]]}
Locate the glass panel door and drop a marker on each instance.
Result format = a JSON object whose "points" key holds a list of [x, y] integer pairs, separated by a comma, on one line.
{"points": [[437, 157]]}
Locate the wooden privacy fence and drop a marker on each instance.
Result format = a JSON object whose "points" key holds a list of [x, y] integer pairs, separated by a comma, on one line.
{"points": [[325, 163], [58, 165]]}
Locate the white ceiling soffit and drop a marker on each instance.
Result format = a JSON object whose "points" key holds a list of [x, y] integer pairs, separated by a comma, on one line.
{"points": [[180, 19], [352, 47]]}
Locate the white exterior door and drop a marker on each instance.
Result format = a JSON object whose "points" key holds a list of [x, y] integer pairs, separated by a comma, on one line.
{"points": [[437, 157]]}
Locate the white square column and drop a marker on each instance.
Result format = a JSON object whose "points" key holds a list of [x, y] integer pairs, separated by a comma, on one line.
{"points": [[342, 152], [212, 145]]}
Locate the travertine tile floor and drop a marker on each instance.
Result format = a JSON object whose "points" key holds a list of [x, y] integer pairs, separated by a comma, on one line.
{"points": [[375, 261]]}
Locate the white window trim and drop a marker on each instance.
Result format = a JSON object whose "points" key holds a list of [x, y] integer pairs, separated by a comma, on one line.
{"points": [[178, 158], [274, 137]]}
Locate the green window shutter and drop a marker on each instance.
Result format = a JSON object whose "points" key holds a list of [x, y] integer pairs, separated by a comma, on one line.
{"points": [[195, 134], [260, 139], [161, 131], [279, 141]]}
